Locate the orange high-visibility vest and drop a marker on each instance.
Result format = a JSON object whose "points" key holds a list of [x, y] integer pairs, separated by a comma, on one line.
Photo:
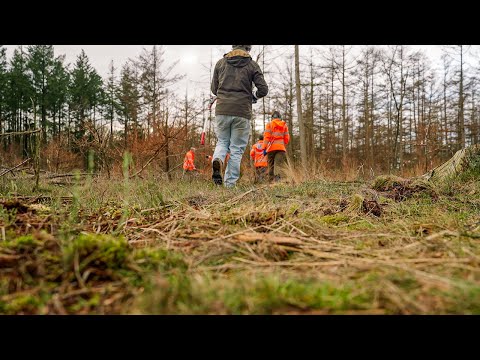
{"points": [[188, 162], [276, 136], [257, 156]]}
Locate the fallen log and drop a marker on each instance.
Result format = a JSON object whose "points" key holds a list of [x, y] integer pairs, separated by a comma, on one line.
{"points": [[15, 167]]}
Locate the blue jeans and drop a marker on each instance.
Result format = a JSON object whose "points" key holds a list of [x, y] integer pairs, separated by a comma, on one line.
{"points": [[232, 136]]}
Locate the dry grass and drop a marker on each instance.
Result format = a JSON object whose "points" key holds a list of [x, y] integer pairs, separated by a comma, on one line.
{"points": [[306, 246]]}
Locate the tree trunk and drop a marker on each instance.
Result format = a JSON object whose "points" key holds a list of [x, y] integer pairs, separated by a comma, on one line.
{"points": [[461, 121], [303, 144], [263, 99], [311, 146], [290, 146], [37, 138], [344, 113], [445, 120], [126, 132]]}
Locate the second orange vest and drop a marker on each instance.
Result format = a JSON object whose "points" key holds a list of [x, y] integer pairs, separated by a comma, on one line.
{"points": [[257, 156]]}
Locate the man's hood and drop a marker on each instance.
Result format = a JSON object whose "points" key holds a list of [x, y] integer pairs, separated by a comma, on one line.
{"points": [[238, 58]]}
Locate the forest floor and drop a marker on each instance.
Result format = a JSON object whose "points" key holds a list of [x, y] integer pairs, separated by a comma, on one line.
{"points": [[141, 246]]}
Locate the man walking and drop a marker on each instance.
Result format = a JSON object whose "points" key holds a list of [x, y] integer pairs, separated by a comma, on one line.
{"points": [[232, 82]]}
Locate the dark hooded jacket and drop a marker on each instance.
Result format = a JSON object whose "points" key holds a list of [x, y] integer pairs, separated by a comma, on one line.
{"points": [[232, 83]]}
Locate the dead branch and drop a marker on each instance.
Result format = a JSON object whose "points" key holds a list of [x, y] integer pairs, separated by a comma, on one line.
{"points": [[17, 166], [20, 133], [148, 162]]}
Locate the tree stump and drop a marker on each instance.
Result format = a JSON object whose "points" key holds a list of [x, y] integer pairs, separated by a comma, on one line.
{"points": [[460, 162]]}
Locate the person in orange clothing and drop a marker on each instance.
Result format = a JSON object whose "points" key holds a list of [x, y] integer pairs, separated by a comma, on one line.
{"points": [[275, 138], [189, 162], [259, 160]]}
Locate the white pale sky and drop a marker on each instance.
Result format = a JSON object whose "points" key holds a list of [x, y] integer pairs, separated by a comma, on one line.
{"points": [[194, 60]]}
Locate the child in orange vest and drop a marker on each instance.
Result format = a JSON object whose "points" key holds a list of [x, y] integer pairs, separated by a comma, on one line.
{"points": [[275, 138], [259, 160]]}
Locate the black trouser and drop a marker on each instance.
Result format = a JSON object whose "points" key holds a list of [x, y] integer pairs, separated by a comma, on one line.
{"points": [[260, 173], [275, 158], [189, 174]]}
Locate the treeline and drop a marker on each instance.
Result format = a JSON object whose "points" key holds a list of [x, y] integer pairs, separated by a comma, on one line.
{"points": [[387, 108], [79, 113], [377, 108]]}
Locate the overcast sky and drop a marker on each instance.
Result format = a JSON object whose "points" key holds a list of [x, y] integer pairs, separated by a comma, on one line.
{"points": [[193, 59], [190, 57]]}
